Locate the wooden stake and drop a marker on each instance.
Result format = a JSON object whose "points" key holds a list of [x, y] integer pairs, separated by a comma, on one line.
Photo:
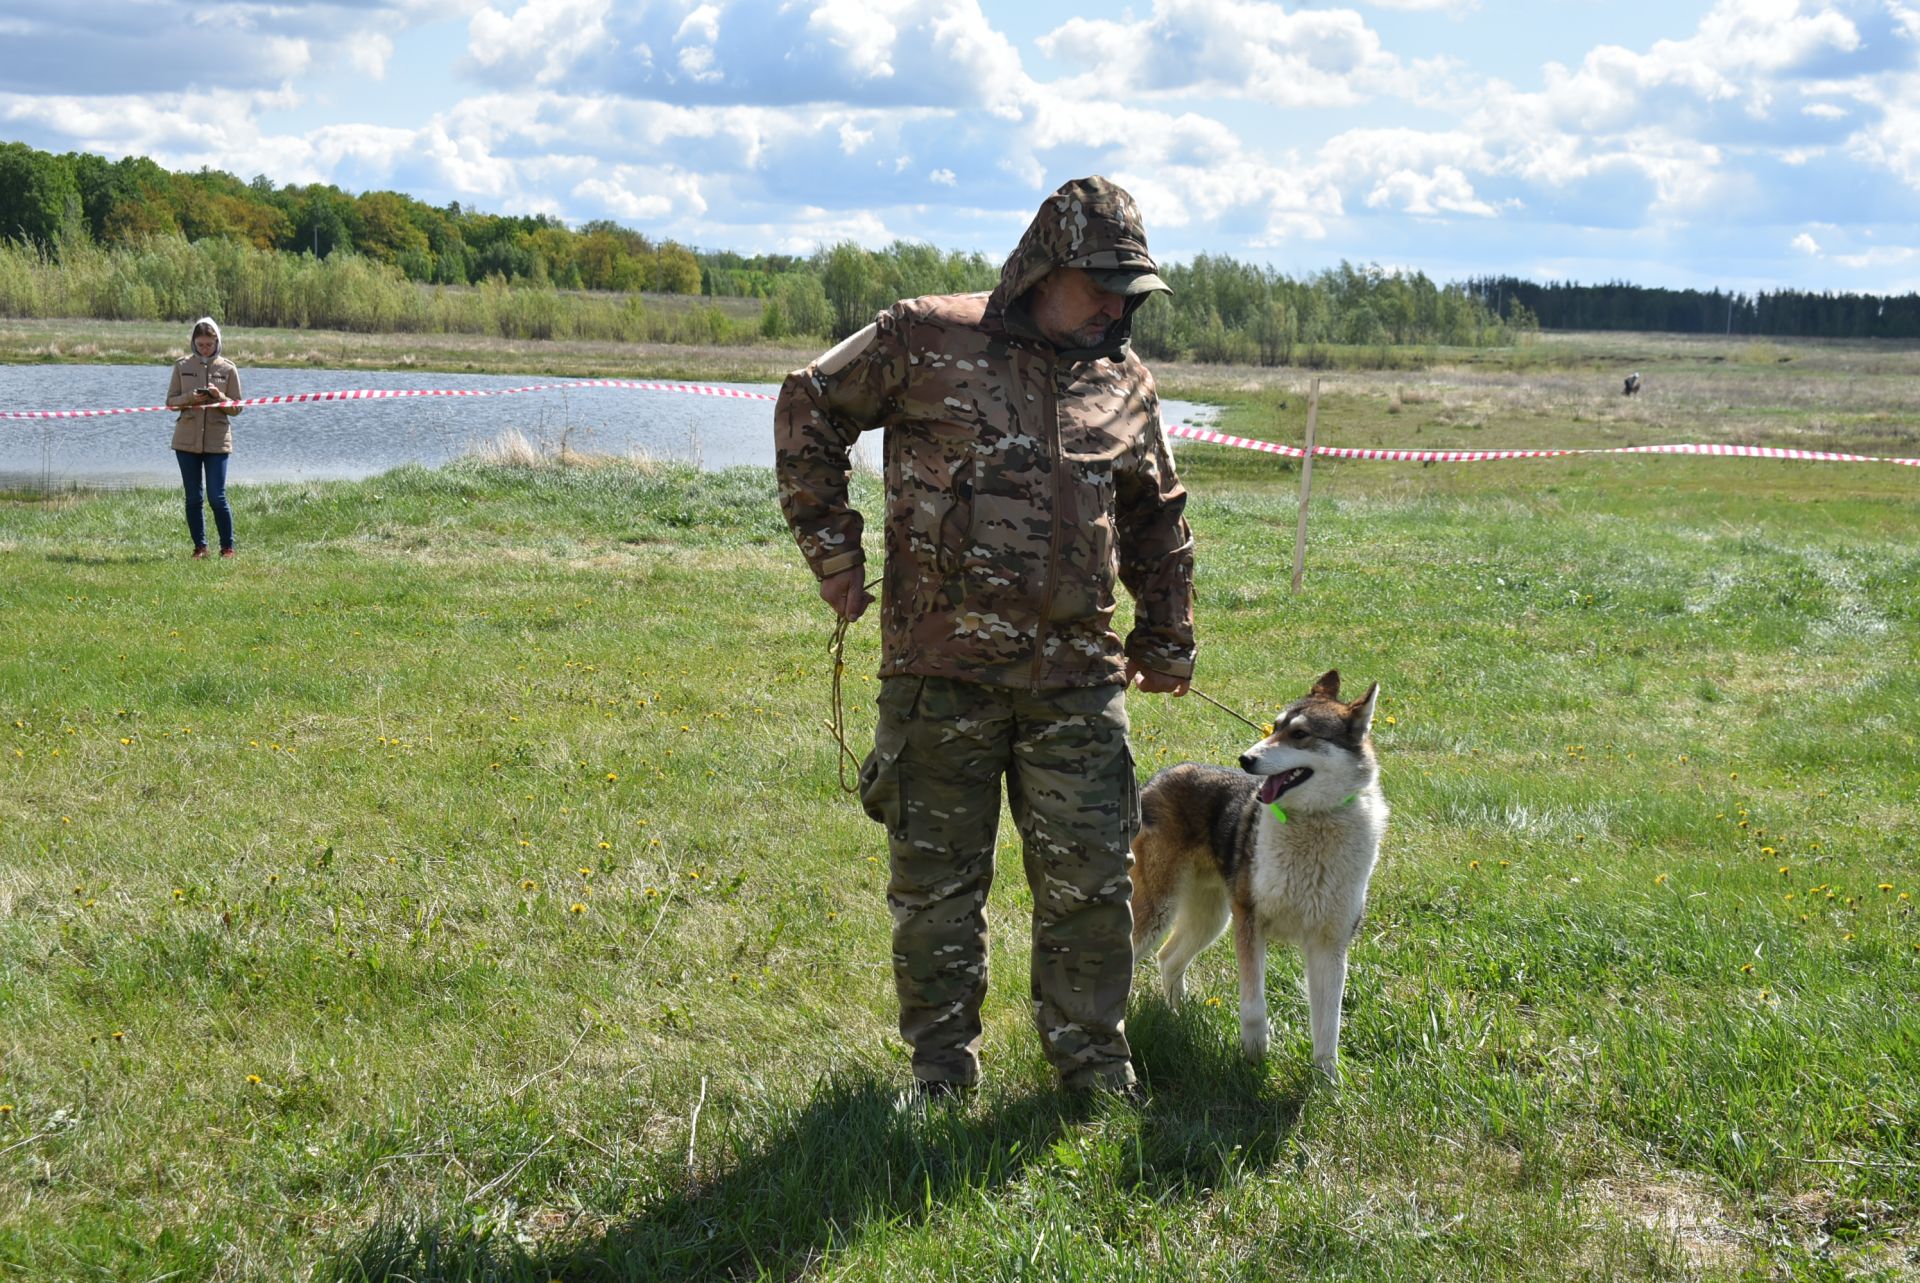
{"points": [[1306, 486]]}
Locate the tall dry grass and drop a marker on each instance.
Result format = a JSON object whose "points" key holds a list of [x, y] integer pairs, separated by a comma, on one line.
{"points": [[168, 278]]}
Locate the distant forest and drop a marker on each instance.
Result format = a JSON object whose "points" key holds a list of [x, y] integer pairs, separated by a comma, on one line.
{"points": [[1565, 305], [84, 236]]}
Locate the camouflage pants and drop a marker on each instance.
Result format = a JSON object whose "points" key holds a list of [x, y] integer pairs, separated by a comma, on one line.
{"points": [[933, 778]]}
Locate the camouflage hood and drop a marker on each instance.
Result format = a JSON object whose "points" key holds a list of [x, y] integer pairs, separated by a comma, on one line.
{"points": [[1090, 223]]}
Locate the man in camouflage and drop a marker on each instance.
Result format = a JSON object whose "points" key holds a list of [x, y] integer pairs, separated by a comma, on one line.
{"points": [[1026, 471]]}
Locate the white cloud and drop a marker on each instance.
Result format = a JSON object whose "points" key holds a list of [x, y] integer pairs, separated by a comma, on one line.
{"points": [[757, 123], [369, 55], [542, 38], [1243, 48], [1444, 191]]}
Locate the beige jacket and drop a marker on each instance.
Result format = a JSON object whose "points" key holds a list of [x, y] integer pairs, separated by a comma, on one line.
{"points": [[196, 430]]}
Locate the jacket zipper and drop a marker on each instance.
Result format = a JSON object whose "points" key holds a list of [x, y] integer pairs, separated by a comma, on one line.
{"points": [[1051, 407]]}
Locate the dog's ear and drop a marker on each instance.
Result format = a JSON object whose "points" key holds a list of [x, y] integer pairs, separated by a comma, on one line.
{"points": [[1328, 685], [1360, 716]]}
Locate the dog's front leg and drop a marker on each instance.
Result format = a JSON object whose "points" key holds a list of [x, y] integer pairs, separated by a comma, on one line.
{"points": [[1250, 947], [1326, 983]]}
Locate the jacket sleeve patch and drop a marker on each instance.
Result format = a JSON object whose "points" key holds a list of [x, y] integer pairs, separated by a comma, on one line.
{"points": [[843, 353]]}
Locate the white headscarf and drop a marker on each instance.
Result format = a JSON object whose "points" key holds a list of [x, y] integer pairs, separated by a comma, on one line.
{"points": [[211, 324]]}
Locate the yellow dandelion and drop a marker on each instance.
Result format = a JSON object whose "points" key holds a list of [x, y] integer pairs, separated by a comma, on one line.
{"points": [[1767, 851], [1746, 969], [1391, 721], [1906, 895], [254, 1079], [1505, 863], [611, 776], [5, 1110], [119, 1035], [606, 846], [653, 893], [1473, 864], [577, 907], [584, 871], [1886, 886], [1660, 881], [1847, 936], [528, 884], [126, 739], [1213, 1002], [178, 894], [525, 842], [1785, 869]]}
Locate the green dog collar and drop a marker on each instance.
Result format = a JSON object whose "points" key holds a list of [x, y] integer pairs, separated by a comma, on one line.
{"points": [[1281, 815]]}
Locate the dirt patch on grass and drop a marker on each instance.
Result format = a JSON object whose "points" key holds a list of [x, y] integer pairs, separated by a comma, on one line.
{"points": [[1677, 1209]]}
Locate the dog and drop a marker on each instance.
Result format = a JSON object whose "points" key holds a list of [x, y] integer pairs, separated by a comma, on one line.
{"points": [[1284, 847]]}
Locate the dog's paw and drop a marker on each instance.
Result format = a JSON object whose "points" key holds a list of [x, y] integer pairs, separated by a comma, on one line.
{"points": [[1254, 1036], [1329, 1069]]}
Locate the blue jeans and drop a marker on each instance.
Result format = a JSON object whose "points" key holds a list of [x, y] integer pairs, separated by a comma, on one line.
{"points": [[213, 492]]}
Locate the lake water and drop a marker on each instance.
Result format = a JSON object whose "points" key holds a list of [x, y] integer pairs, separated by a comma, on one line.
{"points": [[329, 439]]}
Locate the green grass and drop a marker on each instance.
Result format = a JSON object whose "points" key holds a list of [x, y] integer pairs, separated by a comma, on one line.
{"points": [[293, 982]]}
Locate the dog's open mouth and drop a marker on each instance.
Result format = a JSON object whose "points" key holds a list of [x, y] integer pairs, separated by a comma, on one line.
{"points": [[1274, 785]]}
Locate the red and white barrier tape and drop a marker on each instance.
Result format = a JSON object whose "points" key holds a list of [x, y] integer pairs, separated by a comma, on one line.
{"points": [[1173, 430], [1480, 456], [382, 394]]}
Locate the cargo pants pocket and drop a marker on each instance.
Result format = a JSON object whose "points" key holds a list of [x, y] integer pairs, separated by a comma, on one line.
{"points": [[880, 792]]}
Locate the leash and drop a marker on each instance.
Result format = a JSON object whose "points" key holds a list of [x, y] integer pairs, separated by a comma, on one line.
{"points": [[1195, 690], [837, 709]]}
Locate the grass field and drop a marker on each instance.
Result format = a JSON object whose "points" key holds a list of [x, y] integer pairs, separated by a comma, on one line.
{"points": [[456, 885]]}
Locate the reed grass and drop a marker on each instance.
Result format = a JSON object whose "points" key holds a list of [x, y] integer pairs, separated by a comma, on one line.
{"points": [[169, 278]]}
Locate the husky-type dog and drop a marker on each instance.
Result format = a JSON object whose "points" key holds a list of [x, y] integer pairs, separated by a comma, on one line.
{"points": [[1284, 846]]}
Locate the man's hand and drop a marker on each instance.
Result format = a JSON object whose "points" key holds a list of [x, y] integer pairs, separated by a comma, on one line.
{"points": [[1152, 682], [846, 594]]}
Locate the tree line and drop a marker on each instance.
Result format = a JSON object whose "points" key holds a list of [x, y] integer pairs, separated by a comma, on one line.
{"points": [[1616, 305], [130, 239]]}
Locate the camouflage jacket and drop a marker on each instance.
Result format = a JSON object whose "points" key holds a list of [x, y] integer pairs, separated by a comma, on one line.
{"points": [[1022, 481]]}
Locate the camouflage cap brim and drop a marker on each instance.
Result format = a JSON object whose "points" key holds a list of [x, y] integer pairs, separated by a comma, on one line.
{"points": [[1128, 283]]}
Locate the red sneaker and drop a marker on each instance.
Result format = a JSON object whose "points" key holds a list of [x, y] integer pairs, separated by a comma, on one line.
{"points": [[200, 552], [226, 552]]}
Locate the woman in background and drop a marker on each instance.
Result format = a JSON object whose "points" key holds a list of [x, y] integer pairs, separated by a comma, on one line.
{"points": [[203, 437]]}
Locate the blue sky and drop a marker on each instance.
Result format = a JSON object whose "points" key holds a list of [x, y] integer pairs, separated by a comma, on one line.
{"points": [[1749, 144]]}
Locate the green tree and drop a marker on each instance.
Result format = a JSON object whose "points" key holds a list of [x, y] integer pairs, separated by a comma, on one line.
{"points": [[675, 270], [38, 195]]}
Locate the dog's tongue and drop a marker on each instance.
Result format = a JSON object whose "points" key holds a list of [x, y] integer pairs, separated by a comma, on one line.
{"points": [[1274, 785]]}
